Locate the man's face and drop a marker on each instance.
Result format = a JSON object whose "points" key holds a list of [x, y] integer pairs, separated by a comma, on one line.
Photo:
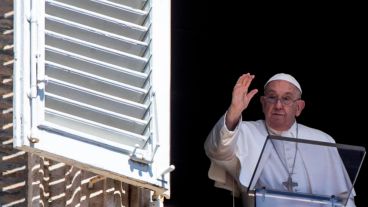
{"points": [[281, 104]]}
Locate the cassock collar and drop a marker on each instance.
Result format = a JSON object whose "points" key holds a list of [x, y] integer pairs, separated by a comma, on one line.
{"points": [[291, 132]]}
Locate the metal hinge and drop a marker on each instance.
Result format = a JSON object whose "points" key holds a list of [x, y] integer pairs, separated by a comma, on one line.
{"points": [[139, 156]]}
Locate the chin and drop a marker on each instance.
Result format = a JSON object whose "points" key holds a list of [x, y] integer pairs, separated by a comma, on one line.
{"points": [[278, 125]]}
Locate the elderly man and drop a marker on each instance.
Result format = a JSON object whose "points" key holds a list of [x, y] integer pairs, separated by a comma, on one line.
{"points": [[234, 145]]}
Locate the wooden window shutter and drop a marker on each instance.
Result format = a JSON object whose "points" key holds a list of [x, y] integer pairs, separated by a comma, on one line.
{"points": [[92, 86]]}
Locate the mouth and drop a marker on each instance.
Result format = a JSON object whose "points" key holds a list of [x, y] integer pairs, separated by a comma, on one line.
{"points": [[277, 114]]}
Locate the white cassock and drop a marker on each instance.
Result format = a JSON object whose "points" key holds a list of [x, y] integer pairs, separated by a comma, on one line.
{"points": [[247, 141]]}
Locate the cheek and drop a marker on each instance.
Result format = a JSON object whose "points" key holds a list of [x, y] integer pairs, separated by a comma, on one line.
{"points": [[263, 107], [267, 109]]}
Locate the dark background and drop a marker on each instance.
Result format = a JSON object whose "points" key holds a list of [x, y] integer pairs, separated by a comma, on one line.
{"points": [[322, 45]]}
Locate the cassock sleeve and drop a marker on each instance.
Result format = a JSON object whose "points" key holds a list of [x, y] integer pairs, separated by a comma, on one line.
{"points": [[220, 147]]}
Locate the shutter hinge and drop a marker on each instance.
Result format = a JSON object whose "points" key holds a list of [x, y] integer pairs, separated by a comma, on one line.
{"points": [[32, 139], [41, 83], [139, 156]]}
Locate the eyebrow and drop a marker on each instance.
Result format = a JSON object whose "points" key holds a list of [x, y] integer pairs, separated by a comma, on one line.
{"points": [[285, 94]]}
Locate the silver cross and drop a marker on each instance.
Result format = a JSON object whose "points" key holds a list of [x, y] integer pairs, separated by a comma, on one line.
{"points": [[289, 184]]}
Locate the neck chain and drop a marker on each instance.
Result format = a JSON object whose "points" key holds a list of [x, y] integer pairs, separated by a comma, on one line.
{"points": [[289, 184]]}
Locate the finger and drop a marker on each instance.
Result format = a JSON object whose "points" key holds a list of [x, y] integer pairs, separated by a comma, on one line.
{"points": [[240, 79], [251, 94], [248, 80], [245, 79]]}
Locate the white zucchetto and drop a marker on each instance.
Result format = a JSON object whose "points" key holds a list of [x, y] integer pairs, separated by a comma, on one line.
{"points": [[285, 77]]}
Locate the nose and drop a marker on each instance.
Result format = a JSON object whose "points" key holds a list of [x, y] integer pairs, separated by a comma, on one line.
{"points": [[278, 103]]}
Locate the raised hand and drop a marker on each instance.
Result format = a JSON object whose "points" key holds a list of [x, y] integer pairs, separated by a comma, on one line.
{"points": [[240, 100]]}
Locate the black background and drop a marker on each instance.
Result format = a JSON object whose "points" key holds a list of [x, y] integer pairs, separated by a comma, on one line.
{"points": [[213, 43]]}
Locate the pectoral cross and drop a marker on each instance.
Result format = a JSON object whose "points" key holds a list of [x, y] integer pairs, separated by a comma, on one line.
{"points": [[289, 184]]}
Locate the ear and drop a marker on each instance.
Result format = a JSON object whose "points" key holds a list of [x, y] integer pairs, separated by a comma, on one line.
{"points": [[300, 104]]}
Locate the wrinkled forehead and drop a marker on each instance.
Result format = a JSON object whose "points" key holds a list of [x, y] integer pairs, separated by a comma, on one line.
{"points": [[281, 87]]}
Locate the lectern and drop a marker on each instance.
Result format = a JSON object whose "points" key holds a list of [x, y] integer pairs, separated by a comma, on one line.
{"points": [[332, 171]]}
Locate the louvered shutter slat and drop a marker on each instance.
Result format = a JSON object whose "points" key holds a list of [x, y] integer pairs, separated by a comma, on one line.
{"points": [[111, 9], [95, 114], [137, 4], [89, 34], [65, 123], [95, 51], [93, 19], [96, 67], [101, 100], [95, 82]]}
